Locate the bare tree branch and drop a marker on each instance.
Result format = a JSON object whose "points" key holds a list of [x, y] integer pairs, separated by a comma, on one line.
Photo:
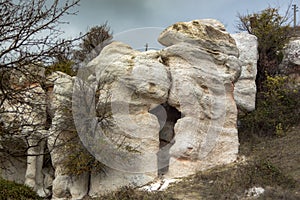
{"points": [[29, 42]]}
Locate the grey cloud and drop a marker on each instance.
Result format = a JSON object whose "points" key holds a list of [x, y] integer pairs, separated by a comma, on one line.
{"points": [[127, 14]]}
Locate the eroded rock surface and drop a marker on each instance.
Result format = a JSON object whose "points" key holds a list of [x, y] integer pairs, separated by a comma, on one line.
{"points": [[169, 113], [203, 66], [245, 87], [292, 53], [24, 119], [290, 64], [130, 83], [62, 131], [195, 75]]}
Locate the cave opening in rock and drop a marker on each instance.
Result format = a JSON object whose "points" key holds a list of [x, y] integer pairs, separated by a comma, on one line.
{"points": [[167, 117]]}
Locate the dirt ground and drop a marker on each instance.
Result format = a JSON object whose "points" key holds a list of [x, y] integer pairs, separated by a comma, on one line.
{"points": [[272, 163]]}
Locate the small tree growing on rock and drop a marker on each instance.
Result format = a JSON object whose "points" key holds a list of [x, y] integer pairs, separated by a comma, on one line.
{"points": [[92, 43], [277, 108], [273, 33]]}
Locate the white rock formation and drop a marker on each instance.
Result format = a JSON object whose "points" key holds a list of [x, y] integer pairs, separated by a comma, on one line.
{"points": [[194, 74], [245, 87], [142, 114], [34, 176], [292, 53], [290, 64], [26, 118], [62, 129], [131, 82], [207, 33], [203, 64]]}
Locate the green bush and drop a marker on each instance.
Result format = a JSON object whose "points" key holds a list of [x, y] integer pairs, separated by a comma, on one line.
{"points": [[273, 32], [13, 191], [277, 108], [65, 66], [79, 160]]}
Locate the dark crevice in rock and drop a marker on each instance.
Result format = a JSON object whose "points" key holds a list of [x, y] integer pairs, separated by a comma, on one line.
{"points": [[167, 117]]}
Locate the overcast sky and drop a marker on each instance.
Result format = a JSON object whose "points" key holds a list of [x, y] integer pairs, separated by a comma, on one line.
{"points": [[124, 15]]}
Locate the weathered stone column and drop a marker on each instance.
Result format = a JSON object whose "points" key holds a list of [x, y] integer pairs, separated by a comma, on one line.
{"points": [[34, 177]]}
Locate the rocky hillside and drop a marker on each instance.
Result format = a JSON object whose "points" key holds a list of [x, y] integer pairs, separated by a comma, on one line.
{"points": [[267, 168]]}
